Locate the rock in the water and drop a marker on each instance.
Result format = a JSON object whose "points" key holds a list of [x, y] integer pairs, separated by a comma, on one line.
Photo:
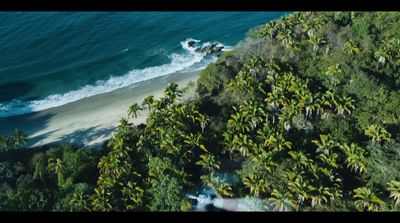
{"points": [[191, 43], [218, 48], [209, 49]]}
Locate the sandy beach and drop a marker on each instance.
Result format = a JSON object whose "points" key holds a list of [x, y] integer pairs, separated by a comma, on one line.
{"points": [[92, 120]]}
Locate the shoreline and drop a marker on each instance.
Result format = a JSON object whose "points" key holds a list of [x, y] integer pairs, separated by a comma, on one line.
{"points": [[90, 121]]}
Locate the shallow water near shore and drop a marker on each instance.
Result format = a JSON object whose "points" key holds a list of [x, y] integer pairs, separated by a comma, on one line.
{"points": [[48, 59]]}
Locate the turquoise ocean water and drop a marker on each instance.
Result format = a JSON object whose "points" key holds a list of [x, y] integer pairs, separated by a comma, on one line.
{"points": [[48, 59]]}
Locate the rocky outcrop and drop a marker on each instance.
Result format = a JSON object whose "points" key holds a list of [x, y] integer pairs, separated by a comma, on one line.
{"points": [[209, 49], [191, 43]]}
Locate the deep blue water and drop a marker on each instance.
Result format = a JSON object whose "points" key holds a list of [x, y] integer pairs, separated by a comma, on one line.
{"points": [[48, 59]]}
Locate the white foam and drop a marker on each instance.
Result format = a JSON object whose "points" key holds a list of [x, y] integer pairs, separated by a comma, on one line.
{"points": [[192, 49], [185, 45], [188, 61]]}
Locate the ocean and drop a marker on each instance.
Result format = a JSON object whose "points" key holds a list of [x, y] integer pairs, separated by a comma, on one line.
{"points": [[48, 59]]}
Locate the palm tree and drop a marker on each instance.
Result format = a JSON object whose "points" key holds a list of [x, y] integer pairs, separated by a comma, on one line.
{"points": [[334, 69], [351, 48], [4, 143], [274, 99], [300, 159], [242, 143], [329, 99], [282, 201], [394, 45], [254, 65], [299, 187], [319, 105], [329, 160], [313, 169], [320, 195], [377, 133], [149, 101], [208, 162], [285, 36], [133, 110], [124, 125], [276, 142], [382, 54], [19, 139], [194, 141], [367, 200], [394, 189], [172, 92], [193, 113], [203, 119], [307, 27], [79, 202], [388, 50], [101, 200], [310, 102], [168, 145], [293, 48], [310, 26], [316, 42], [262, 160], [56, 166], [355, 157], [287, 22], [221, 188], [324, 145], [229, 144], [263, 133], [269, 30], [244, 81], [272, 68], [238, 122], [345, 104], [255, 183], [287, 114], [132, 195], [252, 112]]}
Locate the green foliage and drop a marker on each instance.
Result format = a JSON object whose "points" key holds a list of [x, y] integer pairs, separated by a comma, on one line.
{"points": [[16, 141], [45, 180], [383, 163], [165, 185], [365, 199], [394, 189], [214, 76], [305, 112], [209, 83], [355, 157], [133, 110], [377, 133]]}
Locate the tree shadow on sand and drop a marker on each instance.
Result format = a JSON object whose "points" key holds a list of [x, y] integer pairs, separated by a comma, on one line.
{"points": [[38, 140], [34, 123], [87, 137]]}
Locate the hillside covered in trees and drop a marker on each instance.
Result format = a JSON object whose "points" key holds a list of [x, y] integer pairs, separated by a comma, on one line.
{"points": [[304, 115]]}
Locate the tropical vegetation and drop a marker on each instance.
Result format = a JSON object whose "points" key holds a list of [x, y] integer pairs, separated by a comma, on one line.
{"points": [[305, 113]]}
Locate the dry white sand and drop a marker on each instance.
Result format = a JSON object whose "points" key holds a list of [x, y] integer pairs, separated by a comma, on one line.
{"points": [[92, 120]]}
